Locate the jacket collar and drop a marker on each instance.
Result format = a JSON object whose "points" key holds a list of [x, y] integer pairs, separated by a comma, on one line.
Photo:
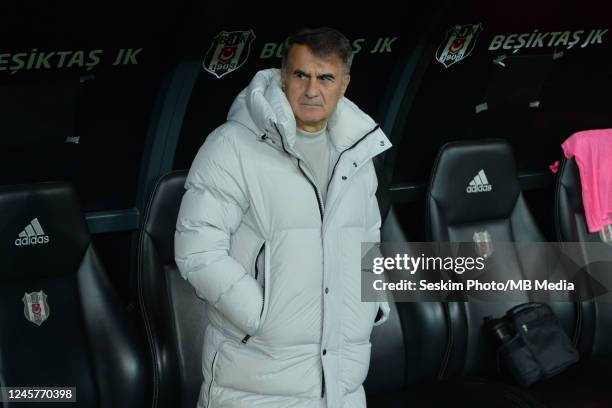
{"points": [[263, 107]]}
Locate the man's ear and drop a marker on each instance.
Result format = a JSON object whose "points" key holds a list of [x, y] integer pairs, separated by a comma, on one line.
{"points": [[345, 82]]}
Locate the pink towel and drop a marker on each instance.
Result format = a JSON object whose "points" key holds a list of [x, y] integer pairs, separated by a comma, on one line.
{"points": [[592, 150]]}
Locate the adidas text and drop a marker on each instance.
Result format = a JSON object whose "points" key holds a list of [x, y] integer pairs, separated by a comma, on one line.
{"points": [[479, 189], [44, 239]]}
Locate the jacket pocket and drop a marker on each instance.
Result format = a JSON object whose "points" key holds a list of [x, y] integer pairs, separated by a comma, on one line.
{"points": [[212, 379], [264, 275], [260, 276], [260, 269]]}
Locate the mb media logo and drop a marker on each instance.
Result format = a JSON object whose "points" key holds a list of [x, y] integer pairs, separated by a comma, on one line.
{"points": [[32, 234], [479, 184]]}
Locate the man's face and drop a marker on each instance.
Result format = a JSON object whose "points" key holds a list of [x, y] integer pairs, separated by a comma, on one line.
{"points": [[313, 86]]}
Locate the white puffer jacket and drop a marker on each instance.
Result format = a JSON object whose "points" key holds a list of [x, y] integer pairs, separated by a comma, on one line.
{"points": [[281, 271]]}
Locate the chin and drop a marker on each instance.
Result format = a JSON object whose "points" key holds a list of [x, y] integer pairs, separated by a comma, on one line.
{"points": [[312, 114], [311, 119]]}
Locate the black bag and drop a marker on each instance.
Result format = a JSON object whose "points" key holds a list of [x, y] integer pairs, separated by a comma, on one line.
{"points": [[532, 344]]}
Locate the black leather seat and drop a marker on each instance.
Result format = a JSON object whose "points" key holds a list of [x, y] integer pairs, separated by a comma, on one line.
{"points": [[174, 317], [455, 213], [61, 324], [410, 353], [570, 220], [407, 350], [570, 223]]}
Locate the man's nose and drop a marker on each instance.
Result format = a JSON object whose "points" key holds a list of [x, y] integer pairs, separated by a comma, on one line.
{"points": [[312, 91]]}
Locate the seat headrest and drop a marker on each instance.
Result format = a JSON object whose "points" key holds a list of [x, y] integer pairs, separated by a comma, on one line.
{"points": [[474, 181], [164, 205], [42, 231]]}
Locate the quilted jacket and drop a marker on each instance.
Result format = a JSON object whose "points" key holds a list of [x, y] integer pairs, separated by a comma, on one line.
{"points": [[279, 268]]}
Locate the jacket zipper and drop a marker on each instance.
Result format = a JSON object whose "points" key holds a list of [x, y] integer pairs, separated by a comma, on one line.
{"points": [[299, 165], [323, 383], [321, 209], [348, 148], [319, 201], [263, 296], [212, 378]]}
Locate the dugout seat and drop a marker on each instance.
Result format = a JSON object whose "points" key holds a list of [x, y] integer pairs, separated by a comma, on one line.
{"points": [[61, 324], [474, 189], [174, 317], [410, 353], [571, 227]]}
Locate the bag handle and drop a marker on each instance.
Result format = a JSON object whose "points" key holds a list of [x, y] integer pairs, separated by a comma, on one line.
{"points": [[523, 306]]}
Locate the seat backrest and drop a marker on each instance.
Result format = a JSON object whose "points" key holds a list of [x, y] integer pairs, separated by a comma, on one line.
{"points": [[408, 349], [571, 226], [474, 189], [174, 317], [61, 323], [570, 220]]}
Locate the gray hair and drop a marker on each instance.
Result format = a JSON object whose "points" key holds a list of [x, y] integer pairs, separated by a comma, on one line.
{"points": [[323, 42]]}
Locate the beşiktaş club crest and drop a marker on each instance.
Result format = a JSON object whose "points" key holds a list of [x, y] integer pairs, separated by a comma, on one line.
{"points": [[36, 308], [458, 44], [228, 52], [484, 246]]}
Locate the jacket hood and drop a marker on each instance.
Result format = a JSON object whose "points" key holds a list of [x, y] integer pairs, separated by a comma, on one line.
{"points": [[263, 108]]}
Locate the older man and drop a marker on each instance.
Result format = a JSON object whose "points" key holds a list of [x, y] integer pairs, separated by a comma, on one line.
{"points": [[278, 200]]}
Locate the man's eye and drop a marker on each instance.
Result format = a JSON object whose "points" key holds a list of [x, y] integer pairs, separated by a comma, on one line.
{"points": [[299, 75]]}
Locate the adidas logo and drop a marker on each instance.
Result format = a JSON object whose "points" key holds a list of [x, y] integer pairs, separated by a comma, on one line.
{"points": [[32, 234], [479, 184]]}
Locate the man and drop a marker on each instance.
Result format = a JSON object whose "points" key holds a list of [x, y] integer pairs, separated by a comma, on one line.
{"points": [[278, 200]]}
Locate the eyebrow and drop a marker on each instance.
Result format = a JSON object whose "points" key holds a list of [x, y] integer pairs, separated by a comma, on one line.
{"points": [[321, 76]]}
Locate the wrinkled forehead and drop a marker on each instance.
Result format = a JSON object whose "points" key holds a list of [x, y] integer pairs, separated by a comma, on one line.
{"points": [[301, 57]]}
